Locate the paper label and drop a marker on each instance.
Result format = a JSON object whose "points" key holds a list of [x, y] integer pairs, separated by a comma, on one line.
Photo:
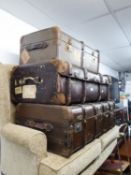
{"points": [[24, 56], [29, 91], [18, 90]]}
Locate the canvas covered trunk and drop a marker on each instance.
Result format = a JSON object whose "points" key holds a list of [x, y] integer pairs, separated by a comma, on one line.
{"points": [[51, 43]]}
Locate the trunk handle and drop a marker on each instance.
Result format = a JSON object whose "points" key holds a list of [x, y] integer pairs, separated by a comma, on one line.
{"points": [[35, 80], [48, 127], [36, 46]]}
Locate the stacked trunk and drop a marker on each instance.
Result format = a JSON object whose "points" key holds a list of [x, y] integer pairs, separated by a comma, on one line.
{"points": [[59, 91], [57, 82]]}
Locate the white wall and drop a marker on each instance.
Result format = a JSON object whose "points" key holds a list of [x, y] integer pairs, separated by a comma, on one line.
{"points": [[103, 69], [11, 30]]}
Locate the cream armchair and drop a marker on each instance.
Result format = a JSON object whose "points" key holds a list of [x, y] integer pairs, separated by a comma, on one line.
{"points": [[6, 108], [24, 150]]}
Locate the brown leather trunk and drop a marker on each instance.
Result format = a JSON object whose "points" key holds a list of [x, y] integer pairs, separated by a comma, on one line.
{"points": [[63, 125], [55, 82], [68, 128], [81, 119], [51, 43]]}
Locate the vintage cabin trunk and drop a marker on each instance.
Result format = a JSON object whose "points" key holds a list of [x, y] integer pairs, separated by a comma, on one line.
{"points": [[45, 45]]}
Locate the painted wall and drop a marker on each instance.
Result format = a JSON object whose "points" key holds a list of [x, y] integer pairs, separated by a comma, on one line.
{"points": [[11, 30]]}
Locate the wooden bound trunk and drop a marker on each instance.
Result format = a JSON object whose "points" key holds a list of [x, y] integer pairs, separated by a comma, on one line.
{"points": [[63, 125], [55, 82]]}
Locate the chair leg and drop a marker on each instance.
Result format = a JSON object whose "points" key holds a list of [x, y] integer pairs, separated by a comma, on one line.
{"points": [[119, 158], [127, 152]]}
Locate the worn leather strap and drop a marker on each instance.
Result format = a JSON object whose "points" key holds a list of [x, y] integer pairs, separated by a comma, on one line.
{"points": [[84, 92], [108, 91], [84, 124], [94, 108], [98, 114], [98, 60], [68, 91], [70, 69], [83, 110], [85, 74], [68, 134], [101, 80], [82, 54], [84, 85]]}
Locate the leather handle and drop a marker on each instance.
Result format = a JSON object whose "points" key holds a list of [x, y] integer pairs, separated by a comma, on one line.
{"points": [[35, 80], [36, 46], [48, 127]]}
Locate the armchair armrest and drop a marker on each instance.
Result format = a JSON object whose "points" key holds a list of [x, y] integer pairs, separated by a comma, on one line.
{"points": [[31, 139], [22, 149]]}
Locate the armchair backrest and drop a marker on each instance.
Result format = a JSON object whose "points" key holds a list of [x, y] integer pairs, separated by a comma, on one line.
{"points": [[7, 109]]}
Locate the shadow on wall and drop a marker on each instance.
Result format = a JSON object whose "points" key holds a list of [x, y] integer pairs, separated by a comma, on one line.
{"points": [[106, 70]]}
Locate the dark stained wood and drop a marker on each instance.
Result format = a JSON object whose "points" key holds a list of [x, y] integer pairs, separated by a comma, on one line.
{"points": [[115, 166], [103, 173], [125, 149]]}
